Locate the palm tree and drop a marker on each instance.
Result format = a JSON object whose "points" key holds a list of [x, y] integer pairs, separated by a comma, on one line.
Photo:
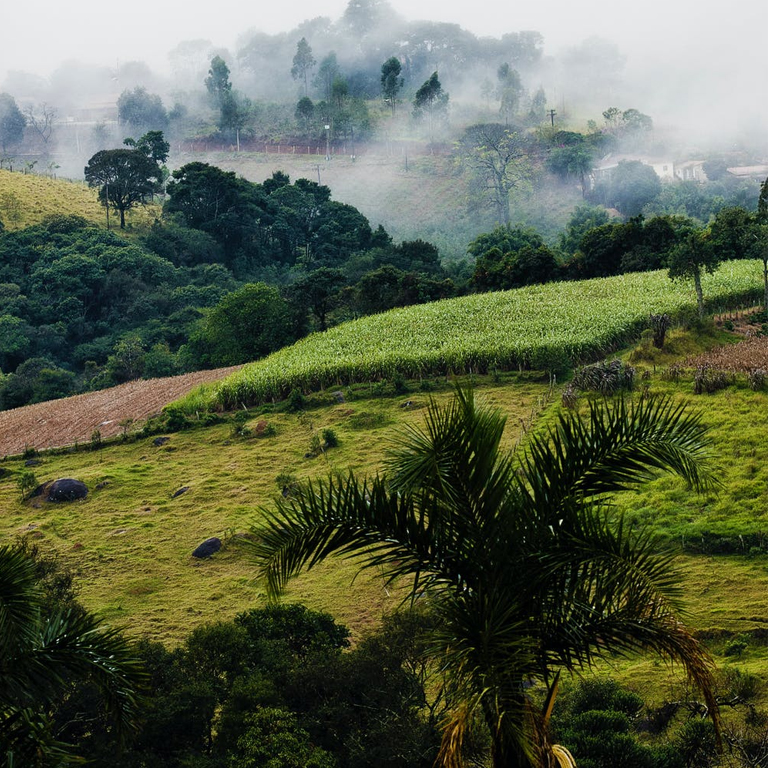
{"points": [[41, 654], [527, 566]]}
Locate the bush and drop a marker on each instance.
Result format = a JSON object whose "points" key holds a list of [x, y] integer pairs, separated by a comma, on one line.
{"points": [[708, 380], [757, 378], [27, 483], [607, 378], [296, 401], [330, 439], [736, 646]]}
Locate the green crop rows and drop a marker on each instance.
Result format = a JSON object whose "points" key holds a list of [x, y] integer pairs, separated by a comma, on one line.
{"points": [[535, 327]]}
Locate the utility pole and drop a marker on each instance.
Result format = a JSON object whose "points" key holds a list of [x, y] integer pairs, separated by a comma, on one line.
{"points": [[552, 114]]}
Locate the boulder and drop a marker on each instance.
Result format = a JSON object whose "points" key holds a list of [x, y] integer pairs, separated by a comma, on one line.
{"points": [[181, 490], [67, 489], [207, 548], [158, 441]]}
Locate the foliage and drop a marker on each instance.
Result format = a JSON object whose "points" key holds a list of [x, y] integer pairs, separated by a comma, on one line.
{"points": [[303, 61], [499, 159], [12, 122], [391, 82], [244, 326], [43, 653], [527, 573], [630, 186], [479, 333], [125, 177], [141, 111], [605, 377], [430, 99]]}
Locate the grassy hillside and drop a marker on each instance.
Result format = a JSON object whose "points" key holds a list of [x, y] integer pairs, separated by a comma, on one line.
{"points": [[26, 199], [541, 326]]}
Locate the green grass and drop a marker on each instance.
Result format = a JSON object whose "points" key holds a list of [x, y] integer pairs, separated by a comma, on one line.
{"points": [[26, 199], [130, 542], [541, 326]]}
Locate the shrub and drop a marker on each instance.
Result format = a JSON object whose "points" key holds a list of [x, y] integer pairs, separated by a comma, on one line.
{"points": [[757, 378], [287, 483], [660, 324], [736, 646], [27, 483], [605, 377], [708, 380], [330, 439], [296, 401]]}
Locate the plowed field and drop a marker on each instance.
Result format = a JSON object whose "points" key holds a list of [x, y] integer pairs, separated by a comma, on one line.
{"points": [[63, 422]]}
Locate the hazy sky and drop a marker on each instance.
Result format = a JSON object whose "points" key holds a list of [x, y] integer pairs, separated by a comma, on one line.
{"points": [[39, 34], [695, 64]]}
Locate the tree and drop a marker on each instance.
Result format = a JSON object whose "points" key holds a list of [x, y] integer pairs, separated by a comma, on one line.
{"points": [[245, 325], [498, 159], [12, 122], [391, 82], [570, 160], [762, 236], [303, 61], [319, 292], [527, 569], [508, 92], [126, 177], [305, 111], [693, 255], [41, 120], [430, 98], [632, 184], [43, 651], [141, 111], [327, 72], [152, 144]]}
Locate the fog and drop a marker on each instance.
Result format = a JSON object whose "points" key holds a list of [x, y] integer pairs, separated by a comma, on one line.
{"points": [[696, 70]]}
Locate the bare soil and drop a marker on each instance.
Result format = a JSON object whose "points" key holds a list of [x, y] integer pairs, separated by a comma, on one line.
{"points": [[59, 423]]}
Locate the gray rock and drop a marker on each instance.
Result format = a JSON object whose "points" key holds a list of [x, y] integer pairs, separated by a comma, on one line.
{"points": [[158, 441], [207, 548], [181, 490], [67, 489]]}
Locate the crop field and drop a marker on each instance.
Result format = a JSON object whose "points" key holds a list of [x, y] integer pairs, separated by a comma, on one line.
{"points": [[747, 355], [540, 327], [110, 411], [26, 199]]}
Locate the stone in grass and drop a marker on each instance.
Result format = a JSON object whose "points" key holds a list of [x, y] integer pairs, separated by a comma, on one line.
{"points": [[207, 548], [183, 489], [158, 441], [67, 489]]}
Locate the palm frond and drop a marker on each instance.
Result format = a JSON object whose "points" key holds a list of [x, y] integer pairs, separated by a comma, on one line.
{"points": [[19, 600], [616, 449]]}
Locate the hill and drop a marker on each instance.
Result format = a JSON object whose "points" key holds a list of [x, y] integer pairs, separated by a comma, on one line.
{"points": [[26, 199], [547, 327]]}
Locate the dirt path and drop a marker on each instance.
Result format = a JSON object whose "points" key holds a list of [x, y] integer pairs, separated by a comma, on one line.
{"points": [[73, 419]]}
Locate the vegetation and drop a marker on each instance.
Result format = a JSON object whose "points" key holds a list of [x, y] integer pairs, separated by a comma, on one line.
{"points": [[547, 327], [527, 574]]}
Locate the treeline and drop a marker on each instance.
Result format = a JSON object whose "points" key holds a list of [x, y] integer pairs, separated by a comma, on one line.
{"points": [[234, 271]]}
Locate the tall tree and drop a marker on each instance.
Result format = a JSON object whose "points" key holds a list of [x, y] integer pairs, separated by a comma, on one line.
{"points": [[432, 99], [126, 178], [303, 61], [327, 72], [524, 562], [509, 91], [41, 119], [391, 82], [12, 122], [762, 237], [141, 111], [692, 256], [498, 159]]}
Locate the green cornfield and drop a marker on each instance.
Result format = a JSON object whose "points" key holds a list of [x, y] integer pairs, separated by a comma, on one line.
{"points": [[543, 327]]}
